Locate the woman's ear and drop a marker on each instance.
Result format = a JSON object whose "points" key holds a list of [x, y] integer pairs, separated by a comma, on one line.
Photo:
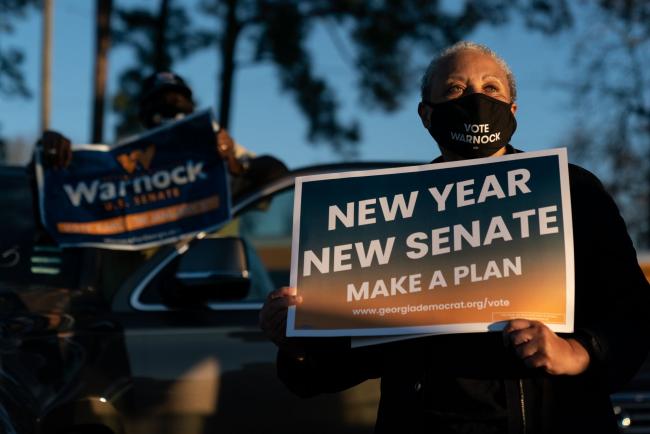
{"points": [[425, 115]]}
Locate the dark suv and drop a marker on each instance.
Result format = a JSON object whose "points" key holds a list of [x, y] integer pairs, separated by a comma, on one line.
{"points": [[174, 347]]}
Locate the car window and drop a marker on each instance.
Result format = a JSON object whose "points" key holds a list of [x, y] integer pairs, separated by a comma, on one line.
{"points": [[160, 287], [28, 256], [267, 227]]}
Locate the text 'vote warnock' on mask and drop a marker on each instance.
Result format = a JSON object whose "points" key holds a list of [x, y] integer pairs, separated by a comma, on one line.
{"points": [[472, 126]]}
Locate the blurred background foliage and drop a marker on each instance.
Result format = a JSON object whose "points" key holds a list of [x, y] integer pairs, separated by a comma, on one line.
{"points": [[380, 40]]}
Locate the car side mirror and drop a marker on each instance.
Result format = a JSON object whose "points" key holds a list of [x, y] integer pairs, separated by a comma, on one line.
{"points": [[213, 269]]}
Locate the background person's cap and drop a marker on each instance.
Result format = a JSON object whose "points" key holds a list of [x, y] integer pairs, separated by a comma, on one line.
{"points": [[164, 80]]}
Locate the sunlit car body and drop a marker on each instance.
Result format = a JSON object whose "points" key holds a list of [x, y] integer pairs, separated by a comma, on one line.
{"points": [[166, 352]]}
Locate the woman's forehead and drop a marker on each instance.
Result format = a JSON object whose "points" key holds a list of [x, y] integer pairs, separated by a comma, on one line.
{"points": [[471, 62]]}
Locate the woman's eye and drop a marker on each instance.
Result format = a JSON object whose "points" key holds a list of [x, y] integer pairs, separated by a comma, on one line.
{"points": [[455, 89], [490, 89]]}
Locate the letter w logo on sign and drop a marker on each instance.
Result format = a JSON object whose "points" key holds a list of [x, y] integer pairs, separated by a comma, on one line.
{"points": [[129, 162]]}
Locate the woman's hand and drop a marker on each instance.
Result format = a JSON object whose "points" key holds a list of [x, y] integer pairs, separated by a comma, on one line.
{"points": [[539, 347], [273, 316]]}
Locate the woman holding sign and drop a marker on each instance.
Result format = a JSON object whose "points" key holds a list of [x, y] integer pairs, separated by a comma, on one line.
{"points": [[527, 378]]}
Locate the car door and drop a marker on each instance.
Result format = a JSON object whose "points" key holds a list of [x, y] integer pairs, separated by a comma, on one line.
{"points": [[203, 368]]}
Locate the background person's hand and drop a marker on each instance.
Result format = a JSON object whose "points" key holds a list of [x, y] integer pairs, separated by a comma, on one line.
{"points": [[539, 347], [273, 316], [226, 150], [56, 149]]}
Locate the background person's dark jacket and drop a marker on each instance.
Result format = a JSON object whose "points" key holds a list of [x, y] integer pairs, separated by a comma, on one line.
{"points": [[472, 383]]}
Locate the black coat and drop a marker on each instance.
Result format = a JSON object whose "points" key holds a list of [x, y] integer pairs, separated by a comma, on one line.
{"points": [[472, 383]]}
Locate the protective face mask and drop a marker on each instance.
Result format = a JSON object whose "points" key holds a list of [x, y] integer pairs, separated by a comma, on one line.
{"points": [[472, 126]]}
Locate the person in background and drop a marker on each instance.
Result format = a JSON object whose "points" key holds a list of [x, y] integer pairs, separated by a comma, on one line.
{"points": [[526, 379], [165, 97]]}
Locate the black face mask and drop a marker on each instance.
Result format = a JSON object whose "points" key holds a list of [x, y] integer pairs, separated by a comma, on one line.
{"points": [[472, 126], [164, 106]]}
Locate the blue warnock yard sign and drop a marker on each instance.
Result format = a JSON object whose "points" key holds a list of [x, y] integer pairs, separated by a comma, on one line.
{"points": [[155, 188]]}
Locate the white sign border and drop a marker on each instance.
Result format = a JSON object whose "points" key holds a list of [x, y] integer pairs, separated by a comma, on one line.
{"points": [[126, 246], [380, 335]]}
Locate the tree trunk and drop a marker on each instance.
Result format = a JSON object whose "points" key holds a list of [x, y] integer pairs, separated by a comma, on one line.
{"points": [[228, 44], [46, 64], [103, 9], [161, 58]]}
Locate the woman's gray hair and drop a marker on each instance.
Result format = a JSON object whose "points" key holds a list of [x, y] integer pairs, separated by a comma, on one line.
{"points": [[425, 87]]}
